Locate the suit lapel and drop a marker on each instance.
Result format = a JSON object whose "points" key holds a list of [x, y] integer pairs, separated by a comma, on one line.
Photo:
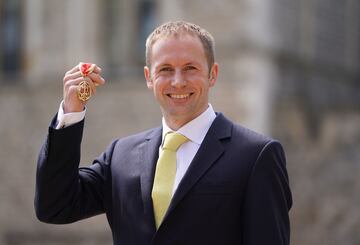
{"points": [[209, 152], [149, 152]]}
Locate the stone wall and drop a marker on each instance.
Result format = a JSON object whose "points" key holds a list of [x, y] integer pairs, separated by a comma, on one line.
{"points": [[317, 117]]}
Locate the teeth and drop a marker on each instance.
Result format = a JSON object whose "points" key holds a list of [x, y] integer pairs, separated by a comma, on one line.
{"points": [[179, 96]]}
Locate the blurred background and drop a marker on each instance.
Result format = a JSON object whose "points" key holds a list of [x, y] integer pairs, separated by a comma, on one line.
{"points": [[288, 68]]}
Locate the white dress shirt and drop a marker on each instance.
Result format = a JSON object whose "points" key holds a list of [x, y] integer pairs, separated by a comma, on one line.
{"points": [[68, 119], [194, 130]]}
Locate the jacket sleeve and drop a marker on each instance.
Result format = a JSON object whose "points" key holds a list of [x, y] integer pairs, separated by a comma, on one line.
{"points": [[268, 199], [64, 192]]}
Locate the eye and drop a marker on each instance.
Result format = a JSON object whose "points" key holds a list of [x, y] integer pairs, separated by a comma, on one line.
{"points": [[189, 68], [165, 69]]}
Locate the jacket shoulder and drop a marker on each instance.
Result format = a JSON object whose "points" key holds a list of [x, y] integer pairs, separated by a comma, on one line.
{"points": [[240, 133], [250, 136]]}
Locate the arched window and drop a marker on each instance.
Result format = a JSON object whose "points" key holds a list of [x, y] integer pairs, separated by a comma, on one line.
{"points": [[11, 37], [147, 23]]}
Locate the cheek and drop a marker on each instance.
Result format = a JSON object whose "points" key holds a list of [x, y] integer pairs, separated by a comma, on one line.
{"points": [[192, 75], [158, 86], [199, 83], [197, 77]]}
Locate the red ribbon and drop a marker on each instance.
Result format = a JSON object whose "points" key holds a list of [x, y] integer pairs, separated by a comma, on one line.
{"points": [[86, 69]]}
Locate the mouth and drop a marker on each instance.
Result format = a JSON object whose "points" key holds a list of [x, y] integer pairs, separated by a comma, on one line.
{"points": [[180, 96]]}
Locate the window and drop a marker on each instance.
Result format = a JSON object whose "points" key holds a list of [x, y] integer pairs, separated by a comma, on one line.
{"points": [[11, 33]]}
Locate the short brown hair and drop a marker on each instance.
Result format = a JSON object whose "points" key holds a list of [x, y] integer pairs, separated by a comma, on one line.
{"points": [[175, 28]]}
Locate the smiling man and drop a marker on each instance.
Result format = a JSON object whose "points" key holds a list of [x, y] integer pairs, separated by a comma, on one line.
{"points": [[197, 179], [180, 75]]}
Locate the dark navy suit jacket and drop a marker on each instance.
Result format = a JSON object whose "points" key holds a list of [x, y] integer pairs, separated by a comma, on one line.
{"points": [[236, 190]]}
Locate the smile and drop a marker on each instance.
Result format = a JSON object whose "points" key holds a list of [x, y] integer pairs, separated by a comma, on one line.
{"points": [[179, 96]]}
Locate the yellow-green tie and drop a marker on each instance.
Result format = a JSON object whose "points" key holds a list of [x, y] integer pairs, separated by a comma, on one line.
{"points": [[165, 175]]}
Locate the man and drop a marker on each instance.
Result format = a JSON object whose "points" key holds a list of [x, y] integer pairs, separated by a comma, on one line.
{"points": [[229, 185]]}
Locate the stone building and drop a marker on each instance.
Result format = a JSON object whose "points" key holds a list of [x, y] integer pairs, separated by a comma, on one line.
{"points": [[290, 69]]}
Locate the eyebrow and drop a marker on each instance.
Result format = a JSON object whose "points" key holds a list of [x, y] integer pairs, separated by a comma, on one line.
{"points": [[192, 63], [162, 65], [167, 64]]}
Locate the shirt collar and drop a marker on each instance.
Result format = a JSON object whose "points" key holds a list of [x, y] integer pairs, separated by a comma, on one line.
{"points": [[196, 129]]}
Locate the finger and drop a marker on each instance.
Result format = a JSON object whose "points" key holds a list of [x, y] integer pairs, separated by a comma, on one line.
{"points": [[75, 82], [97, 79], [72, 76], [92, 68], [72, 70], [71, 84], [97, 69]]}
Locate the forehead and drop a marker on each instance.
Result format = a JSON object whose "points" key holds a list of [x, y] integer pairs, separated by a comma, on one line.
{"points": [[177, 47]]}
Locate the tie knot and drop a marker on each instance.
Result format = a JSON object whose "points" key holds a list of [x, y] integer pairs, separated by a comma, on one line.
{"points": [[173, 141]]}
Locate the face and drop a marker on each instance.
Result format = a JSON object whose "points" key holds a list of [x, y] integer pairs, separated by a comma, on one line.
{"points": [[180, 78]]}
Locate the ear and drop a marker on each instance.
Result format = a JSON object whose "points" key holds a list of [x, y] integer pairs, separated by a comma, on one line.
{"points": [[213, 74], [147, 74]]}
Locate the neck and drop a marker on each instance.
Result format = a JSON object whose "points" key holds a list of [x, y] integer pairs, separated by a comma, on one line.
{"points": [[175, 123]]}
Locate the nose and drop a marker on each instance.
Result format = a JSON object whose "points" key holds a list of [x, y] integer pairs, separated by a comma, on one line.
{"points": [[178, 80]]}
